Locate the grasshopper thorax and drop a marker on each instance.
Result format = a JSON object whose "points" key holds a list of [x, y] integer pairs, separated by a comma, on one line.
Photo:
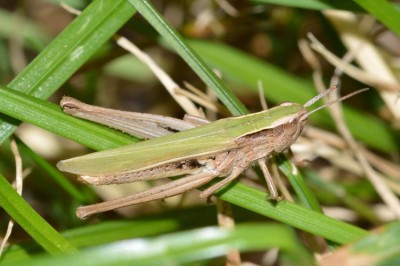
{"points": [[286, 131]]}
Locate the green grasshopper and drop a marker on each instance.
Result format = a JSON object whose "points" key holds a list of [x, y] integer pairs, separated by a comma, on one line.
{"points": [[195, 148]]}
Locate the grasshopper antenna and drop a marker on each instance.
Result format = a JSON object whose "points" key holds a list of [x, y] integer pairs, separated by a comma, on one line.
{"points": [[322, 94], [319, 96]]}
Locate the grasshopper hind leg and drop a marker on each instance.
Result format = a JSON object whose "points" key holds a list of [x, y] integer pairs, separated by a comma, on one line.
{"points": [[170, 189], [214, 168]]}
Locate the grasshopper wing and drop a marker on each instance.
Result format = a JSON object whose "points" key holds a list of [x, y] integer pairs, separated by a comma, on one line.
{"points": [[136, 124], [197, 142]]}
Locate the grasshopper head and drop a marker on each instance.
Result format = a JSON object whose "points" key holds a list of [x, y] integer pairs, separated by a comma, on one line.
{"points": [[289, 126], [293, 128], [287, 129]]}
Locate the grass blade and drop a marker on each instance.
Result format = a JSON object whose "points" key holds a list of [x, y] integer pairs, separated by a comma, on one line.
{"points": [[68, 52], [49, 116], [384, 12], [290, 214], [23, 214], [190, 246], [192, 59], [314, 4], [303, 192], [59, 178]]}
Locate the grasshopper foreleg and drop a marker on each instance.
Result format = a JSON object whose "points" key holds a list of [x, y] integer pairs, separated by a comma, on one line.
{"points": [[273, 192]]}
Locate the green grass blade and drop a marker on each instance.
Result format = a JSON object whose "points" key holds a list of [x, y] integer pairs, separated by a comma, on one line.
{"points": [[97, 234], [314, 4], [379, 248], [278, 84], [49, 116], [384, 11], [26, 217], [290, 214], [382, 245], [144, 226], [59, 178], [323, 4], [192, 59], [69, 51], [190, 246], [296, 180]]}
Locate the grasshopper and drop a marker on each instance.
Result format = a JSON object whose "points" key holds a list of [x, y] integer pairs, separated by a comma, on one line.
{"points": [[195, 148]]}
